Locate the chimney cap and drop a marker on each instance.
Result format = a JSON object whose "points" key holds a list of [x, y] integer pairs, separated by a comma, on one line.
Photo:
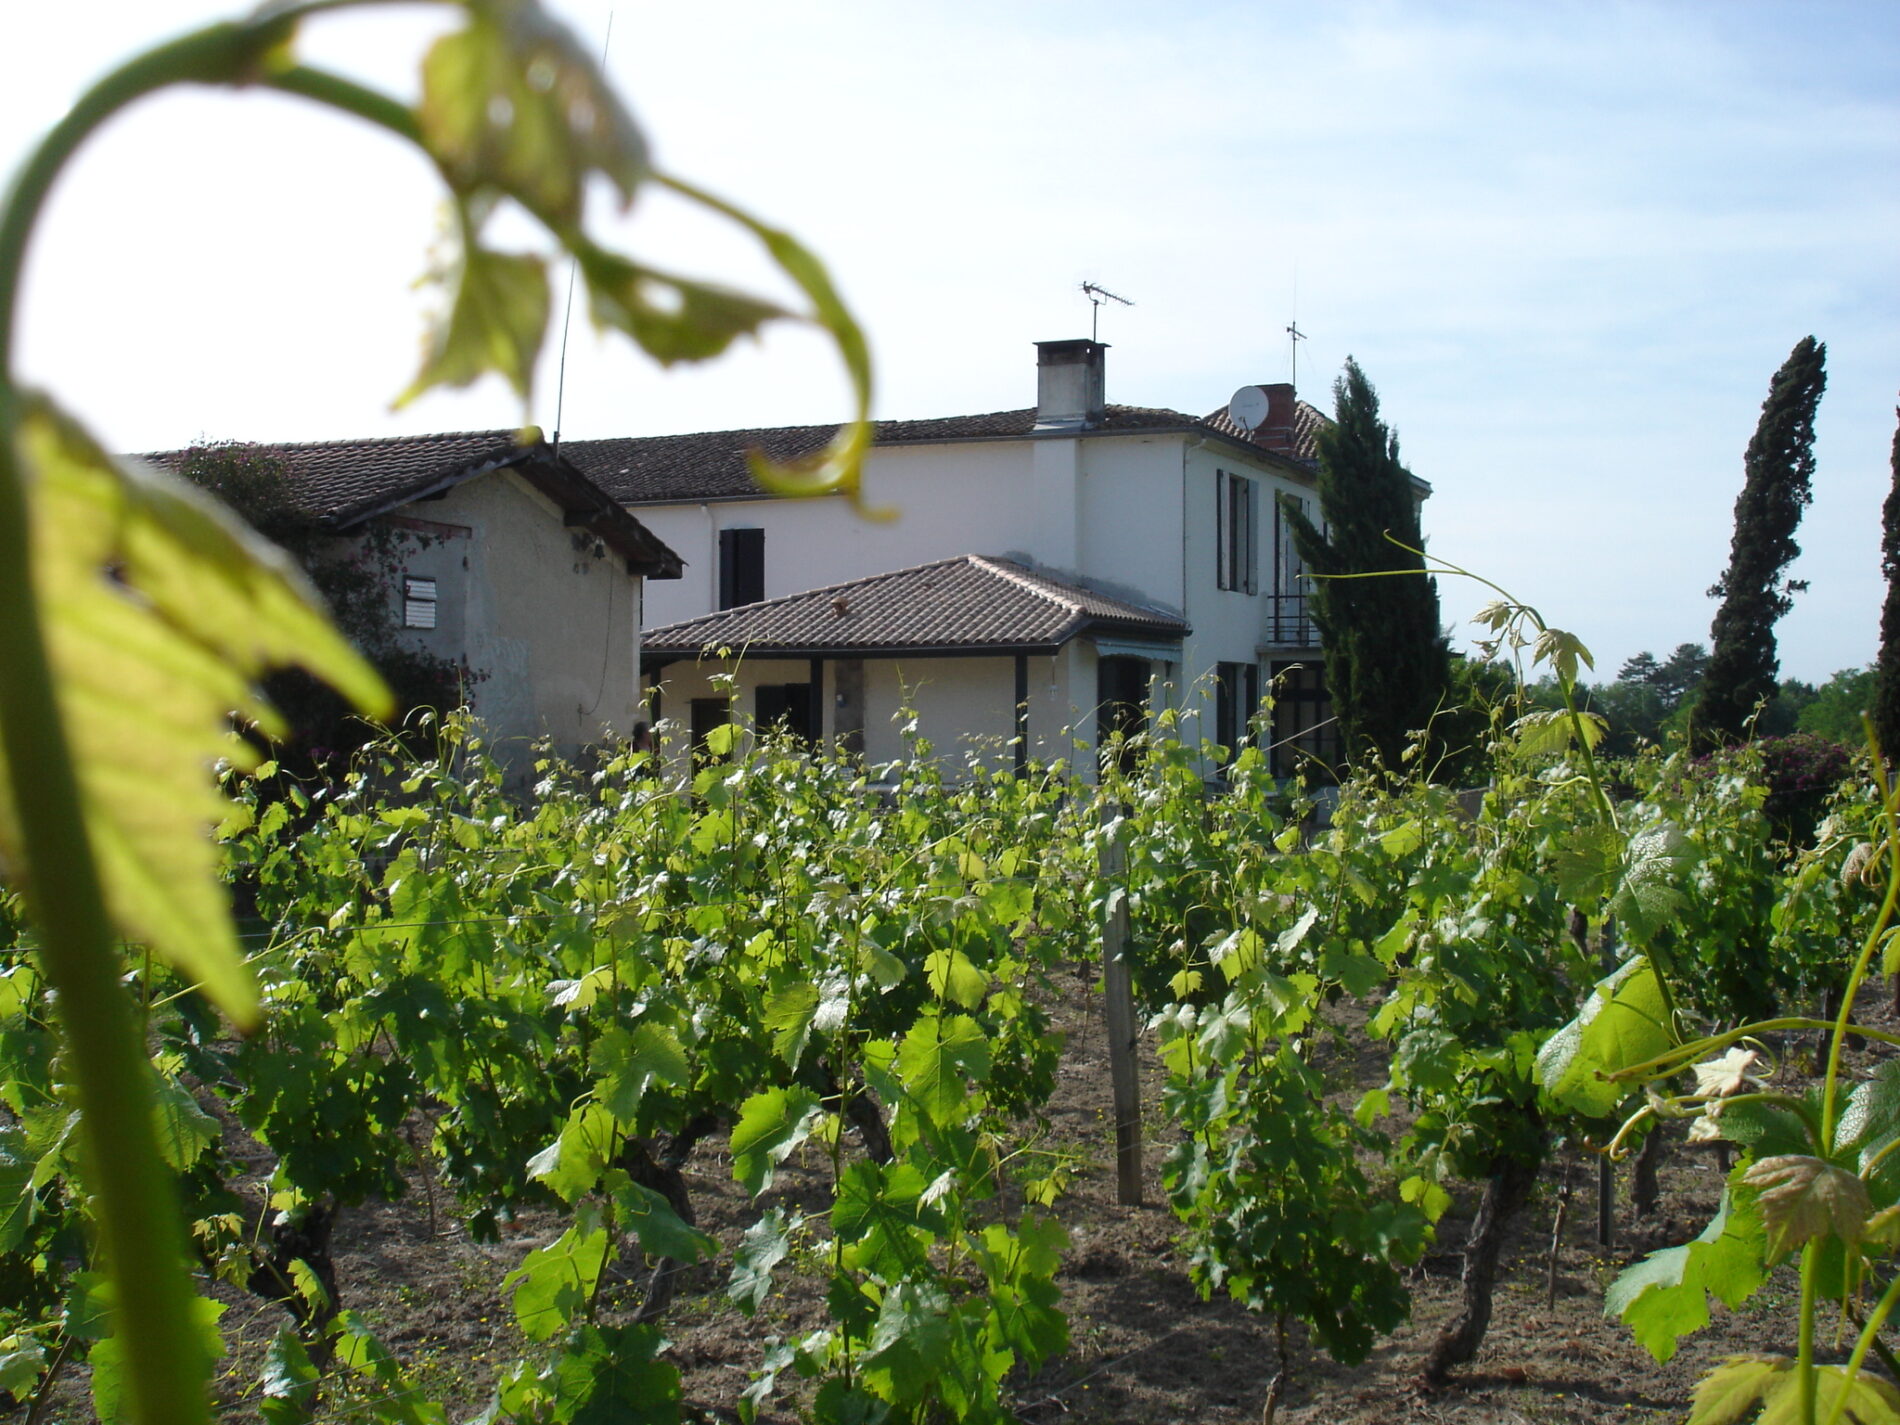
{"points": [[1079, 348]]}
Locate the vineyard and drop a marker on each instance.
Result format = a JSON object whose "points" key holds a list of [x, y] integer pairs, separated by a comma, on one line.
{"points": [[786, 1047]]}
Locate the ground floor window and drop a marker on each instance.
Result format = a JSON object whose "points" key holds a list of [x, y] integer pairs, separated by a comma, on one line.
{"points": [[705, 714], [786, 707], [1304, 731], [1236, 700], [1121, 695]]}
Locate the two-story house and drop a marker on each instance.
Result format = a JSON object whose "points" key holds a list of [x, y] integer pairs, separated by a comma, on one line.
{"points": [[1053, 574]]}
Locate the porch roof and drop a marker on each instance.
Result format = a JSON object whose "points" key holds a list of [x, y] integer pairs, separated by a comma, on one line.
{"points": [[970, 605]]}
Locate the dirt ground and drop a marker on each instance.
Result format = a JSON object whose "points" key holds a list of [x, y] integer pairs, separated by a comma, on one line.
{"points": [[1145, 1347]]}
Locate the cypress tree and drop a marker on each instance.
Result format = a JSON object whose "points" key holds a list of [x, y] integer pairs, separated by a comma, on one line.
{"points": [[1887, 671], [1778, 473], [1387, 664]]}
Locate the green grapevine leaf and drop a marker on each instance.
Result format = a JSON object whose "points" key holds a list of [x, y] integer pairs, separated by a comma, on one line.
{"points": [[1357, 974], [1295, 934], [1563, 652], [17, 1200], [289, 1381], [362, 1350], [886, 970], [1397, 940], [161, 613], [840, 1403], [1650, 891], [629, 1061], [937, 1061], [514, 103], [552, 1284], [1870, 1400], [87, 1315], [661, 1230], [952, 977], [1237, 954], [184, 1129], [911, 1341], [771, 1124], [620, 1380], [1623, 1023], [1731, 1392], [1585, 861], [1664, 1297], [765, 1245], [1765, 1127], [574, 1162], [1871, 1120], [1803, 1198], [1403, 839], [22, 1359], [876, 1210], [1545, 733], [787, 1018], [495, 322]]}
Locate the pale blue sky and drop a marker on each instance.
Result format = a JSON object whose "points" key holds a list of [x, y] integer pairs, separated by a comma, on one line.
{"points": [[1570, 243]]}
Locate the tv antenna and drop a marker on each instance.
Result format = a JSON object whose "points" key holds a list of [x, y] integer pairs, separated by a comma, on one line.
{"points": [[1097, 295], [1298, 336]]}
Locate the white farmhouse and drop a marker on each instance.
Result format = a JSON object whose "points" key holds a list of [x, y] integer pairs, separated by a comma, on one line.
{"points": [[1054, 574], [498, 556]]}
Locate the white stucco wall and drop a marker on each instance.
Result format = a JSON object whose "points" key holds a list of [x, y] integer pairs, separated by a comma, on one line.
{"points": [[550, 630], [947, 500], [1131, 514], [1229, 625], [1129, 495], [964, 706]]}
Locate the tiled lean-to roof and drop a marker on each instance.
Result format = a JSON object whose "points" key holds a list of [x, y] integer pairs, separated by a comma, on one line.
{"points": [[711, 465], [969, 605], [340, 484]]}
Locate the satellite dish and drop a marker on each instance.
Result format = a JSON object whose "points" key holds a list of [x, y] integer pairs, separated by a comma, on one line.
{"points": [[1248, 408]]}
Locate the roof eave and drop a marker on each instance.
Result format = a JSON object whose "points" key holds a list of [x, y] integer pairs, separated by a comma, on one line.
{"points": [[663, 655], [1290, 464]]}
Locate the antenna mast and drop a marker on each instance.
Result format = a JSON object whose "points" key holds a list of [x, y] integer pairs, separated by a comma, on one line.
{"points": [[1098, 294], [1298, 336]]}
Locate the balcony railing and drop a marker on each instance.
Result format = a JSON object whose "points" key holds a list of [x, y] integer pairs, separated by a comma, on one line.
{"points": [[1289, 623]]}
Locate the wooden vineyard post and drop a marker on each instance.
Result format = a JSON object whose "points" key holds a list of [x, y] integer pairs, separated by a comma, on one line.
{"points": [[1118, 990], [1606, 1170]]}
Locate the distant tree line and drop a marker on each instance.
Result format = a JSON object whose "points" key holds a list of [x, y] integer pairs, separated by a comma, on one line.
{"points": [[1650, 702]]}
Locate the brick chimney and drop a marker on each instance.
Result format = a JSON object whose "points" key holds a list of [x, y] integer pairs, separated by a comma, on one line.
{"points": [[1070, 389], [1276, 431]]}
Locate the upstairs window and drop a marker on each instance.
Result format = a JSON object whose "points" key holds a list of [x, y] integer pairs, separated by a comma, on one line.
{"points": [[418, 603], [741, 567], [1235, 519]]}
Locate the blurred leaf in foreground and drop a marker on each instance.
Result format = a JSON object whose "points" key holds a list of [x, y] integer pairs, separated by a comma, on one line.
{"points": [[160, 612]]}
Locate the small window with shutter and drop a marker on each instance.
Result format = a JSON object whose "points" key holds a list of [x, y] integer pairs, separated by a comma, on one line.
{"points": [[418, 603]]}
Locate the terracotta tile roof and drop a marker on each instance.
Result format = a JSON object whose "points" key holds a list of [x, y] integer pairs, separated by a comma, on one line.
{"points": [[711, 465], [341, 483], [1308, 422], [971, 605]]}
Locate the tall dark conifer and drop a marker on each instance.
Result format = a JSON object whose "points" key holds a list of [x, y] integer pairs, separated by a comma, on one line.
{"points": [[1387, 664], [1887, 670], [1778, 473]]}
